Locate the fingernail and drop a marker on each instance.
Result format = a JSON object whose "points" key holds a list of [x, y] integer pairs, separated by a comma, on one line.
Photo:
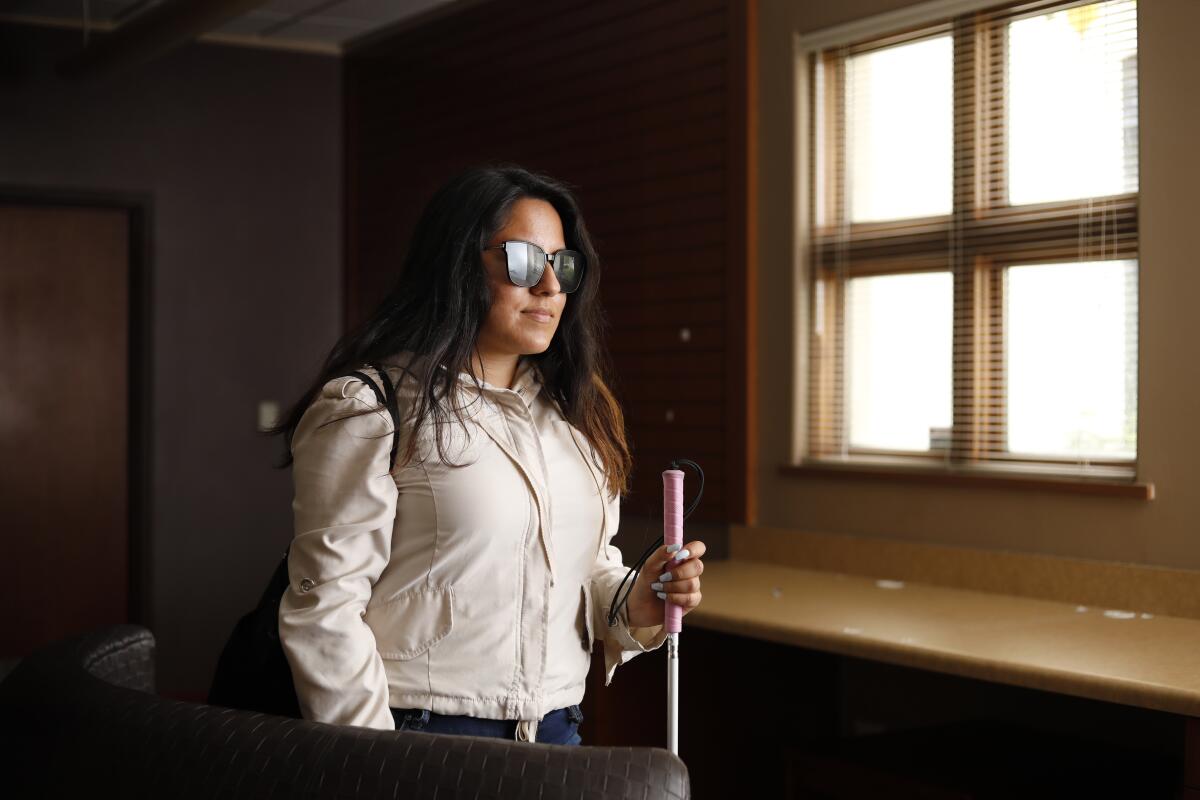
{"points": [[662, 595], [666, 576], [656, 587], [681, 555], [671, 548]]}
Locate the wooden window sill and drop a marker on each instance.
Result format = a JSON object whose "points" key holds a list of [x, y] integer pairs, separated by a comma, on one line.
{"points": [[974, 478]]}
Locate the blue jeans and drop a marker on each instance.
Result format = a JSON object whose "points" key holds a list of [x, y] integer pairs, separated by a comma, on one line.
{"points": [[557, 727]]}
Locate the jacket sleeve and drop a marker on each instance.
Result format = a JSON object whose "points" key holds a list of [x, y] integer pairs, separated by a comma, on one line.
{"points": [[621, 642], [345, 507]]}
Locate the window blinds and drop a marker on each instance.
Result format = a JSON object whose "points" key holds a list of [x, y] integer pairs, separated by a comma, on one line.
{"points": [[973, 243]]}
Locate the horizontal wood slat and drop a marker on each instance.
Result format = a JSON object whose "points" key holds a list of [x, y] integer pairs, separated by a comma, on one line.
{"points": [[469, 29], [703, 207], [671, 262], [676, 365], [650, 463], [682, 411], [663, 341], [607, 81], [545, 116], [672, 437], [664, 240], [664, 162], [690, 314], [654, 55], [659, 163], [659, 388], [685, 118], [637, 166], [505, 41], [645, 193]]}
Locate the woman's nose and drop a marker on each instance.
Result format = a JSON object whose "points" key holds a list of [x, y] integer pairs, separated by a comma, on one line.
{"points": [[549, 282]]}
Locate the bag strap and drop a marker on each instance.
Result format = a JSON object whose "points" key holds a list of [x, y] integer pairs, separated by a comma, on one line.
{"points": [[387, 398]]}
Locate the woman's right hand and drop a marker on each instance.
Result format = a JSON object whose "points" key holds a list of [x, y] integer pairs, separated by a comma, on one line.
{"points": [[666, 577]]}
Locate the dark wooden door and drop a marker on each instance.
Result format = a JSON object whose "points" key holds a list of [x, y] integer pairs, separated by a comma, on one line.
{"points": [[64, 422]]}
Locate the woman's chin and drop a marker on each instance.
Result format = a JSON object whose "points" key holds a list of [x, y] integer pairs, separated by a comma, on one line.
{"points": [[535, 345]]}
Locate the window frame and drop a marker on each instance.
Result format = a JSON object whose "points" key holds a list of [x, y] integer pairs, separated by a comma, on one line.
{"points": [[976, 242]]}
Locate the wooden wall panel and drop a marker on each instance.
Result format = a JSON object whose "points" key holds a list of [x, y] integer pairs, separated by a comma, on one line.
{"points": [[644, 108]]}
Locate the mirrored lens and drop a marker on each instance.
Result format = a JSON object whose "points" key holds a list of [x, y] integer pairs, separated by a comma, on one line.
{"points": [[525, 263], [568, 268]]}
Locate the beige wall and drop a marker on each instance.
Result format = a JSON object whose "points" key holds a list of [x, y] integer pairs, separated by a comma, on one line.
{"points": [[1164, 531]]}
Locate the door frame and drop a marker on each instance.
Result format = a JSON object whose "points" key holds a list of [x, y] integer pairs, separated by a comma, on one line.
{"points": [[140, 207]]}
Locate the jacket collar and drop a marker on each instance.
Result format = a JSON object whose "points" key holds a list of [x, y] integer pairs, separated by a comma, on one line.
{"points": [[527, 381]]}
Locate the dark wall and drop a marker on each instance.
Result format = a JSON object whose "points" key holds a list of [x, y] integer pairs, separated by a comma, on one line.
{"points": [[643, 107], [239, 154]]}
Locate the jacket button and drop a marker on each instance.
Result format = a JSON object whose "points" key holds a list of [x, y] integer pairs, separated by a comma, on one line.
{"points": [[307, 584]]}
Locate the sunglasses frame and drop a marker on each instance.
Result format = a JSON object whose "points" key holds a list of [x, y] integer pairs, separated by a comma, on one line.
{"points": [[547, 257]]}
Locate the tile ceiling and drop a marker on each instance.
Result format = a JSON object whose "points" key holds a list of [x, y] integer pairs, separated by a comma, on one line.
{"points": [[322, 25]]}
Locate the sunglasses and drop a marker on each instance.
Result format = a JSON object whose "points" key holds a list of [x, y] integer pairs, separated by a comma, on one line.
{"points": [[527, 262]]}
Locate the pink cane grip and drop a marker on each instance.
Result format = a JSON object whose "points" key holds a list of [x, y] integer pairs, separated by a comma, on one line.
{"points": [[672, 534]]}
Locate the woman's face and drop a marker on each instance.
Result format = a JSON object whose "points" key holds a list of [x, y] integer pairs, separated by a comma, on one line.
{"points": [[511, 328]]}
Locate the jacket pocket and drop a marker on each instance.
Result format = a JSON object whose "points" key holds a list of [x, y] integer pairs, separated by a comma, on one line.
{"points": [[411, 622], [585, 631]]}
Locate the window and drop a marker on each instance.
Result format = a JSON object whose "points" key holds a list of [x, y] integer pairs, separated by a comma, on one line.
{"points": [[973, 244]]}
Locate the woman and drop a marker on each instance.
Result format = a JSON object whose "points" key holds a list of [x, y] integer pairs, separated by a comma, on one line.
{"points": [[460, 590]]}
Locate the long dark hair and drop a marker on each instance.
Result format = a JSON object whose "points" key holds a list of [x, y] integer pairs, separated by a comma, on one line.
{"points": [[442, 298]]}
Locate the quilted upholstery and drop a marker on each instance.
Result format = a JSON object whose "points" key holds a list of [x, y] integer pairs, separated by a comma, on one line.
{"points": [[80, 716]]}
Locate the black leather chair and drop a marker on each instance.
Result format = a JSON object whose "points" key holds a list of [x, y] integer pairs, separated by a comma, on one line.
{"points": [[80, 718]]}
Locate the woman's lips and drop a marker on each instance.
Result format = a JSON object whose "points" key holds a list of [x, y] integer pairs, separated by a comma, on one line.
{"points": [[540, 316]]}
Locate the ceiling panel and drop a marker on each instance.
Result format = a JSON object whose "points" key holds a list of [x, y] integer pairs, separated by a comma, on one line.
{"points": [[269, 22], [101, 10], [306, 30], [277, 21]]}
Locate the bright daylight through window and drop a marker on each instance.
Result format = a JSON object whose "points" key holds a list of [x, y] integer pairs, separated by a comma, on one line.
{"points": [[973, 248]]}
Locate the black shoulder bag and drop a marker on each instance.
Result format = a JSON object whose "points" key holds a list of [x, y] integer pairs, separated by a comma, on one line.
{"points": [[253, 672]]}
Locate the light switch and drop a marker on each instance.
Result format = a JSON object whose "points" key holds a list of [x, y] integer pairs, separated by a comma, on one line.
{"points": [[268, 414]]}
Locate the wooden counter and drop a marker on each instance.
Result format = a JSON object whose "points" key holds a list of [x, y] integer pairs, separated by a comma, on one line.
{"points": [[1115, 655]]}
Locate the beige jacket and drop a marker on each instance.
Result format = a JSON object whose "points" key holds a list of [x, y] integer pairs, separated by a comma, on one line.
{"points": [[475, 590]]}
